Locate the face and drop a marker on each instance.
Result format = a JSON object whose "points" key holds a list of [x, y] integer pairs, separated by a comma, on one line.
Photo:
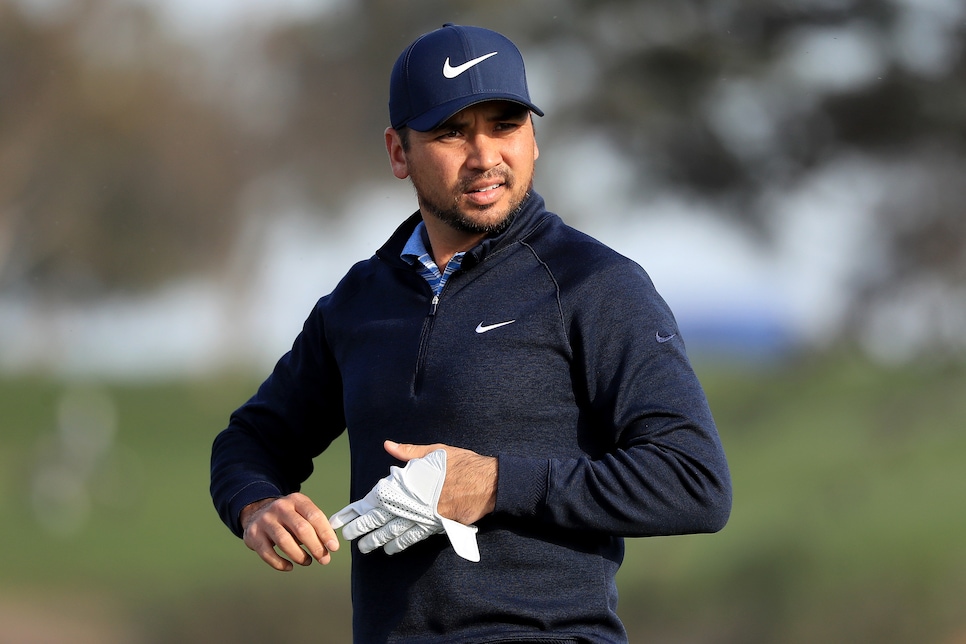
{"points": [[473, 172]]}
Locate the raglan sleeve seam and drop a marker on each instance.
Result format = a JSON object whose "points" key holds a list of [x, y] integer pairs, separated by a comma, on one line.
{"points": [[558, 296]]}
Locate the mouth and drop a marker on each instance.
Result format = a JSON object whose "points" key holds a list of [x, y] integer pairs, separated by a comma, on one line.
{"points": [[483, 196], [489, 188], [485, 191]]}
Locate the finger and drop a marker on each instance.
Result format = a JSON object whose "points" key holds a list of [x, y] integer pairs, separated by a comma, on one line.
{"points": [[343, 517], [305, 537], [414, 535], [407, 452], [388, 532], [258, 542], [314, 532], [375, 518], [288, 546]]}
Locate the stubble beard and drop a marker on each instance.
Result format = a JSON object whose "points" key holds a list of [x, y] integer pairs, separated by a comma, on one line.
{"points": [[452, 215]]}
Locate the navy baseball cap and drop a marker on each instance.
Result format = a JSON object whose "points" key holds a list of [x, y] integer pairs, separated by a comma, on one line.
{"points": [[451, 68]]}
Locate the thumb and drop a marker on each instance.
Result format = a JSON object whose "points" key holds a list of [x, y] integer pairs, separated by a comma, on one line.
{"points": [[406, 452]]}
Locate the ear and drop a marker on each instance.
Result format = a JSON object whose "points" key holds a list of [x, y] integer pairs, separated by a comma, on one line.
{"points": [[397, 156], [536, 148]]}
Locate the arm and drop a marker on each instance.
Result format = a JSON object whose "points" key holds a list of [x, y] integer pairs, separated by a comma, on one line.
{"points": [[267, 449], [665, 471]]}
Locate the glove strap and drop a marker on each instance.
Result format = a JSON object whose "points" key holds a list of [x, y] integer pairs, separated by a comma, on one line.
{"points": [[462, 537]]}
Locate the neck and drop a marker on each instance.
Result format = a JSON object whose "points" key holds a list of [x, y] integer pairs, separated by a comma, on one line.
{"points": [[445, 241]]}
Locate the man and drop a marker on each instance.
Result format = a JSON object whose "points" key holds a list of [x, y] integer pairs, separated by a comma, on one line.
{"points": [[532, 379]]}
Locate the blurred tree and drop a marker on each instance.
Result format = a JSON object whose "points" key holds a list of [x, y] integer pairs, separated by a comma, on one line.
{"points": [[111, 174], [337, 71], [117, 170], [736, 101], [731, 102]]}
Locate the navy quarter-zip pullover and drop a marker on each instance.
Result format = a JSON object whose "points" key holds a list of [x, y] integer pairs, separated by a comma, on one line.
{"points": [[548, 350]]}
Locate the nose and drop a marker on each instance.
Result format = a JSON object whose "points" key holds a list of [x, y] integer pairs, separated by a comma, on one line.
{"points": [[483, 153]]}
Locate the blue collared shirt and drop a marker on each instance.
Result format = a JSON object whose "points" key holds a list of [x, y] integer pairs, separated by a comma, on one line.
{"points": [[416, 250]]}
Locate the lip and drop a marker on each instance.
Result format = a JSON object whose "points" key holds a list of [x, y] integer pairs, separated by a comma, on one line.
{"points": [[485, 194]]}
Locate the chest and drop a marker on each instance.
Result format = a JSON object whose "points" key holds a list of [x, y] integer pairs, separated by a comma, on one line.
{"points": [[489, 358]]}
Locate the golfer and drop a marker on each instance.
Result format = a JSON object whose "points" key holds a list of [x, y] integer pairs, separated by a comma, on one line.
{"points": [[517, 396]]}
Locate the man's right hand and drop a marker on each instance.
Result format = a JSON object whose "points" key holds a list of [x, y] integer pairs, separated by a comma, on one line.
{"points": [[288, 523]]}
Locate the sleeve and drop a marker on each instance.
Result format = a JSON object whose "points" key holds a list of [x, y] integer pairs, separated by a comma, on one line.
{"points": [[268, 446], [665, 472]]}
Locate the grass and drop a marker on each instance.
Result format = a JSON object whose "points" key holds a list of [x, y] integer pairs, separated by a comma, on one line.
{"points": [[847, 524]]}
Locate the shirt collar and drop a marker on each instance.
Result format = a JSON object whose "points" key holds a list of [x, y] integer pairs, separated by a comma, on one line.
{"points": [[416, 245]]}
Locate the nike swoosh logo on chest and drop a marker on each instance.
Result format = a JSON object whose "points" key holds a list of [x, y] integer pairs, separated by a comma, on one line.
{"points": [[481, 328]]}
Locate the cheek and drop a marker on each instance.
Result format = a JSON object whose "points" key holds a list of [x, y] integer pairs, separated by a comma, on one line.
{"points": [[429, 180], [523, 164], [436, 169], [523, 155]]}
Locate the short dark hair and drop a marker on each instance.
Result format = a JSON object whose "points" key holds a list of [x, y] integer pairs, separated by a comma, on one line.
{"points": [[403, 133]]}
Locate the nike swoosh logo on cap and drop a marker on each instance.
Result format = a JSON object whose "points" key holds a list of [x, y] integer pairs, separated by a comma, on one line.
{"points": [[453, 72]]}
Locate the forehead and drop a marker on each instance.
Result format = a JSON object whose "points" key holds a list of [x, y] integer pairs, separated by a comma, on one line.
{"points": [[488, 110]]}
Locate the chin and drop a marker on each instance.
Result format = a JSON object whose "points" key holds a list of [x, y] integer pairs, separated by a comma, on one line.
{"points": [[491, 224]]}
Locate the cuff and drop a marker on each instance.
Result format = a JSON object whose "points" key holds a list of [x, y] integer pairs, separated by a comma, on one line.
{"points": [[249, 494], [521, 485]]}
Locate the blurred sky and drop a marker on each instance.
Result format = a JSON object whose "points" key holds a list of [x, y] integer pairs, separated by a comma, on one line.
{"points": [[726, 290], [200, 16], [729, 294], [197, 17]]}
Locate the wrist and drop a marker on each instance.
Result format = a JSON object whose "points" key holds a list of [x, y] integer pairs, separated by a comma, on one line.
{"points": [[247, 514], [492, 476]]}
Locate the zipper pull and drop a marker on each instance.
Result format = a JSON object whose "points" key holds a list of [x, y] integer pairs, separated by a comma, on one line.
{"points": [[435, 305]]}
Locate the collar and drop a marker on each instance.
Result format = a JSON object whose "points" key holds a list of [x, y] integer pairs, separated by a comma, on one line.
{"points": [[416, 245], [531, 215]]}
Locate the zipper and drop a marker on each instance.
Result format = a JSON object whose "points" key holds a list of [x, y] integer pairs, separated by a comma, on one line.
{"points": [[424, 344]]}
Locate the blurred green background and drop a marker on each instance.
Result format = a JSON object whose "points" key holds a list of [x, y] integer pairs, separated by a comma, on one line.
{"points": [[179, 181], [847, 524]]}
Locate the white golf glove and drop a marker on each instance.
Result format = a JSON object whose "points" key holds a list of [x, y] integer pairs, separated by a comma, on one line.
{"points": [[401, 510]]}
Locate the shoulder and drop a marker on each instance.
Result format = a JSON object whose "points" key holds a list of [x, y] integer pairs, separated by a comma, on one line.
{"points": [[575, 258], [377, 269], [598, 287], [361, 275]]}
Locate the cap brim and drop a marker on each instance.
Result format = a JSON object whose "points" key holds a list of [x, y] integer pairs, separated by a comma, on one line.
{"points": [[435, 117]]}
